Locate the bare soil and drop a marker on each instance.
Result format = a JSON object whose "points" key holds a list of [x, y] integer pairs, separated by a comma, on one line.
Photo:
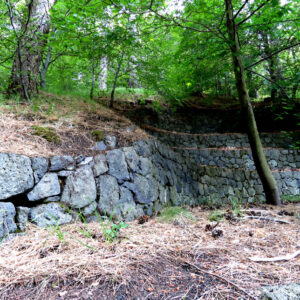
{"points": [[177, 260]]}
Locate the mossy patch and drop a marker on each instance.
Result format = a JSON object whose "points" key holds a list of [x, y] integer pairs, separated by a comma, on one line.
{"points": [[98, 135], [47, 133]]}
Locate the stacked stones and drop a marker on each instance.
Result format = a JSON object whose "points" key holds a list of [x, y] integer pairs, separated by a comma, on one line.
{"points": [[126, 183]]}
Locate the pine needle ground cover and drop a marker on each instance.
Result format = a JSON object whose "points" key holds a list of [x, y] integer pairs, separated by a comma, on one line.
{"points": [[155, 260]]}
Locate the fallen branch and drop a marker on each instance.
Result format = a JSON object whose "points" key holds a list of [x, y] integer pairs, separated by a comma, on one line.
{"points": [[277, 258], [221, 278], [266, 219]]}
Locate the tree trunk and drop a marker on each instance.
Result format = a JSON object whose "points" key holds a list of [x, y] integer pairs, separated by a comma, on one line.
{"points": [[93, 80], [262, 167], [252, 89], [44, 70], [112, 95], [29, 55], [103, 74], [296, 82]]}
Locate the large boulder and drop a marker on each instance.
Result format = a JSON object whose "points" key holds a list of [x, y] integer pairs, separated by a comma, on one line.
{"points": [[7, 215], [39, 167], [64, 162], [48, 186], [281, 292], [80, 188], [127, 209], [49, 214], [145, 189], [22, 217], [111, 141], [117, 202], [109, 194], [16, 175], [100, 165], [117, 165]]}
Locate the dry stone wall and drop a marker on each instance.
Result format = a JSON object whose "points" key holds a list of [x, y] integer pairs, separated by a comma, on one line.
{"points": [[127, 182]]}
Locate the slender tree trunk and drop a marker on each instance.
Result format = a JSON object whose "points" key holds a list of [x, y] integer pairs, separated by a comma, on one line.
{"points": [[44, 69], [112, 95], [296, 82], [132, 80], [93, 80], [31, 46], [22, 86], [262, 167], [252, 89], [103, 74]]}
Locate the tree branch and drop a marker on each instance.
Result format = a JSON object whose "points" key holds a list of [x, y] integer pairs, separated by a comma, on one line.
{"points": [[274, 53], [257, 9], [237, 13], [270, 80]]}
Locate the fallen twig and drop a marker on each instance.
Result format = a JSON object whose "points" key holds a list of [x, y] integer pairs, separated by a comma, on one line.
{"points": [[266, 219], [277, 258], [221, 278]]}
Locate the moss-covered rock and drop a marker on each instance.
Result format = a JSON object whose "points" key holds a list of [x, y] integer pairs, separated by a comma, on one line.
{"points": [[98, 135], [47, 133]]}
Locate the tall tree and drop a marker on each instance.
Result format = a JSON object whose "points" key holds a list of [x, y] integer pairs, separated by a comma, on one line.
{"points": [[31, 42], [262, 167]]}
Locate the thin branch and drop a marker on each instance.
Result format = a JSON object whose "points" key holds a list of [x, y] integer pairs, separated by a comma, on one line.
{"points": [[6, 59], [270, 80], [277, 258], [220, 278], [274, 53], [240, 9], [257, 9]]}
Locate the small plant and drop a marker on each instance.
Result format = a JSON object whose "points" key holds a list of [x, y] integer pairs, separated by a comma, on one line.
{"points": [[236, 204], [215, 216], [57, 229], [47, 133], [110, 230]]}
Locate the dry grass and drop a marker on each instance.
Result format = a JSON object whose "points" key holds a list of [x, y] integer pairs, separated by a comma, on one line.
{"points": [[152, 259], [73, 120]]}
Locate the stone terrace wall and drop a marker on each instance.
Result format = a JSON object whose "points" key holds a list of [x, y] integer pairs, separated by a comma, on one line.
{"points": [[237, 159], [129, 182], [238, 140]]}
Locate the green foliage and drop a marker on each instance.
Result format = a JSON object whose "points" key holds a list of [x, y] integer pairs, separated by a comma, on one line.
{"points": [[47, 133], [113, 230], [170, 214], [110, 230], [236, 205]]}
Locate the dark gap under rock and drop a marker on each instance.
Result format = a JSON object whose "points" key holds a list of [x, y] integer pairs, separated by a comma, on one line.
{"points": [[22, 200]]}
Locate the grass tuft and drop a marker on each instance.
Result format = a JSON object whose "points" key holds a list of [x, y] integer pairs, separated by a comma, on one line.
{"points": [[171, 214]]}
